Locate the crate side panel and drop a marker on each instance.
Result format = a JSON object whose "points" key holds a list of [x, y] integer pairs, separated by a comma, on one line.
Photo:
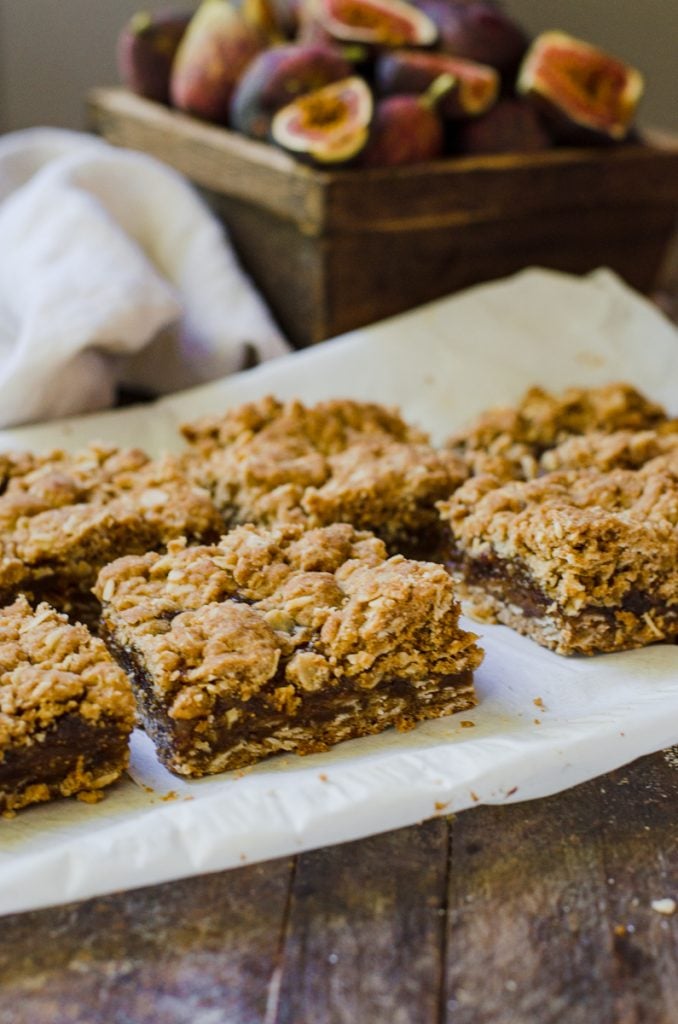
{"points": [[372, 275]]}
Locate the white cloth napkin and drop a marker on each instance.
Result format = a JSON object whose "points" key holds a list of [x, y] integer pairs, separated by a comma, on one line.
{"points": [[112, 270]]}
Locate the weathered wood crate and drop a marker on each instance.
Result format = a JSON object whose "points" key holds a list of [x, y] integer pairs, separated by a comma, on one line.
{"points": [[331, 251]]}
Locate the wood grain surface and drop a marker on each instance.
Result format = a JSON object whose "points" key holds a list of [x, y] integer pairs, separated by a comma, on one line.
{"points": [[531, 913]]}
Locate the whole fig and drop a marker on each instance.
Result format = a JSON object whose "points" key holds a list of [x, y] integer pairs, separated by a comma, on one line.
{"points": [[479, 30], [407, 129], [512, 126], [218, 45], [277, 76], [145, 51]]}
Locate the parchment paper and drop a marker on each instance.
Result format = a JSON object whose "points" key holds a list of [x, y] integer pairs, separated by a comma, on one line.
{"points": [[544, 722]]}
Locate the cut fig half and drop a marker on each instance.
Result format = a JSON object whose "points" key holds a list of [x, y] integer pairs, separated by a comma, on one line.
{"points": [[378, 22], [329, 125], [580, 86]]}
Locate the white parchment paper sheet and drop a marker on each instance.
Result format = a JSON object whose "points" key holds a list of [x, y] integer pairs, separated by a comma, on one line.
{"points": [[441, 364]]}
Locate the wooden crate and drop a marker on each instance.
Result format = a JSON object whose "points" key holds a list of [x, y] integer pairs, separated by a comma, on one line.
{"points": [[335, 250]]}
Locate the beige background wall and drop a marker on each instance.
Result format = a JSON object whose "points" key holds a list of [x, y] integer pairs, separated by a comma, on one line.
{"points": [[51, 51]]}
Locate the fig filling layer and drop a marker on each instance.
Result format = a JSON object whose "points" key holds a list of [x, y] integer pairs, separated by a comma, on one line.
{"points": [[190, 746], [70, 745], [510, 582]]}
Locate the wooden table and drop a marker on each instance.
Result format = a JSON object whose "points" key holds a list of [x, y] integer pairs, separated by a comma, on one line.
{"points": [[532, 913]]}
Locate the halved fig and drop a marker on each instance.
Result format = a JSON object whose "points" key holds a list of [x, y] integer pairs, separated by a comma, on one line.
{"points": [[276, 77], [329, 125], [475, 90], [581, 88], [380, 22]]}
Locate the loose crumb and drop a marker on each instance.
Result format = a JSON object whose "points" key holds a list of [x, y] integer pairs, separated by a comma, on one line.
{"points": [[665, 906], [90, 796]]}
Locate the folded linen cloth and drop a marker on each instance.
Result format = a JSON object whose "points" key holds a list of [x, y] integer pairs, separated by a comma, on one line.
{"points": [[112, 270]]}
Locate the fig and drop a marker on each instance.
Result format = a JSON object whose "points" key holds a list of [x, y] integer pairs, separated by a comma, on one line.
{"points": [[479, 31], [587, 94], [476, 86], [145, 51], [512, 126], [378, 22], [329, 125], [277, 76], [406, 129], [219, 43]]}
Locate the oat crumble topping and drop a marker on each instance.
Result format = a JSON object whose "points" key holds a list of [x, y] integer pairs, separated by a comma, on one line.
{"points": [[306, 609], [272, 462], [508, 442]]}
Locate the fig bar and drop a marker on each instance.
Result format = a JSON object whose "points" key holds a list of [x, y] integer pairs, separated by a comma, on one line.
{"points": [[283, 640], [64, 516], [66, 709], [581, 561], [514, 442], [338, 461]]}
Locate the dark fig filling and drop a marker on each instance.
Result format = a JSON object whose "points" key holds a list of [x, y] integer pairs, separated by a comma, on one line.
{"points": [[69, 743]]}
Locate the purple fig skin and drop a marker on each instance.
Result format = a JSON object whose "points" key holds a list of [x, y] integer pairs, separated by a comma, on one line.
{"points": [[413, 71], [278, 76], [145, 52], [404, 131], [512, 126], [218, 45], [479, 31]]}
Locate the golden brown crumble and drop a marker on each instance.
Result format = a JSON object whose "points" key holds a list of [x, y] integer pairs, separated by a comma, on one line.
{"points": [[509, 441], [69, 514], [623, 449], [305, 611], [50, 668], [272, 462]]}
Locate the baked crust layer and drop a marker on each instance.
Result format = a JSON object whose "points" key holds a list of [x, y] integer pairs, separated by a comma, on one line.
{"points": [[283, 639]]}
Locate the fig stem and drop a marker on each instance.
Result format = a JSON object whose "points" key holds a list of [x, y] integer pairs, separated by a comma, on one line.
{"points": [[438, 88]]}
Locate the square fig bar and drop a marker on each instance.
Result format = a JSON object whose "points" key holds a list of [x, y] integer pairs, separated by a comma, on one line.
{"points": [[63, 516], [66, 709], [270, 462], [283, 640], [580, 560]]}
